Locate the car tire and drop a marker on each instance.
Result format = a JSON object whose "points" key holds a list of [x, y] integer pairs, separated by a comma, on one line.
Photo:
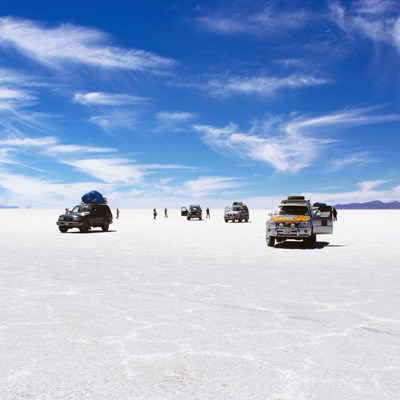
{"points": [[310, 241], [63, 229], [106, 225], [85, 227], [271, 241]]}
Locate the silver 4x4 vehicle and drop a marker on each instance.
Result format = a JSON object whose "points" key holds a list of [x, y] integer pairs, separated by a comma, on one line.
{"points": [[295, 218], [85, 216], [194, 211], [238, 211]]}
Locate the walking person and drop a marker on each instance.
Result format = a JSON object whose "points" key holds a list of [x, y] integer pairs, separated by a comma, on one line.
{"points": [[165, 213], [117, 212], [207, 213], [154, 213], [334, 214]]}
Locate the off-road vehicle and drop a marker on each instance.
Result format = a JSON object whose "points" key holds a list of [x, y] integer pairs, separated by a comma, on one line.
{"points": [[86, 216], [238, 211], [194, 211], [295, 218]]}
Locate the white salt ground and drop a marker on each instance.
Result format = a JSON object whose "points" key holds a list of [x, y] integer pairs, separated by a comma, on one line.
{"points": [[176, 309]]}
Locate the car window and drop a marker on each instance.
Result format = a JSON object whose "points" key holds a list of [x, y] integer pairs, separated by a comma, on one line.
{"points": [[81, 209], [292, 210]]}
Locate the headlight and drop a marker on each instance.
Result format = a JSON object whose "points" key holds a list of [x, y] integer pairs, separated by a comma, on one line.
{"points": [[304, 225], [61, 218], [292, 225], [281, 225]]}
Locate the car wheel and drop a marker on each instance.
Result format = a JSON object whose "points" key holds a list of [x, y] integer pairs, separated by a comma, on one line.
{"points": [[106, 225], [310, 241], [271, 241], [63, 229], [85, 227], [226, 219]]}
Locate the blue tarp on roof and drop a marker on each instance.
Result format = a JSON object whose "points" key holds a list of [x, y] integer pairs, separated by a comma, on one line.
{"points": [[93, 197]]}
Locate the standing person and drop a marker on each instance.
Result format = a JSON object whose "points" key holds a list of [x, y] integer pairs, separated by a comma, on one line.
{"points": [[207, 213], [117, 213], [154, 213], [165, 213], [334, 214]]}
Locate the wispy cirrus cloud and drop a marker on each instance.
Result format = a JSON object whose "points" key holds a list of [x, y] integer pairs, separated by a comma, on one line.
{"points": [[67, 43], [115, 119], [107, 99], [378, 21], [288, 153], [264, 86], [174, 116], [356, 159], [261, 21], [289, 145], [49, 145]]}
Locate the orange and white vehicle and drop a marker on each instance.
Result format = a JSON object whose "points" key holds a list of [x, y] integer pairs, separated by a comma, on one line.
{"points": [[295, 218]]}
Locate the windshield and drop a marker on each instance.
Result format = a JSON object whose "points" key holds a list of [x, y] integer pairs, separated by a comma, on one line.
{"points": [[292, 210], [81, 209], [195, 208]]}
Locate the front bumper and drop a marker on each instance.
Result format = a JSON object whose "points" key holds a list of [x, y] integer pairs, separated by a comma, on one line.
{"points": [[288, 231], [69, 224]]}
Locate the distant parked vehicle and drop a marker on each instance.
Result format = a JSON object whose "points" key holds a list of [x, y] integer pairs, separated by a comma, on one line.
{"points": [[238, 211], [295, 218], [194, 211]]}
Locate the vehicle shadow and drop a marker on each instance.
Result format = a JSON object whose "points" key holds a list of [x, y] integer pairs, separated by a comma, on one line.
{"points": [[299, 245], [91, 232]]}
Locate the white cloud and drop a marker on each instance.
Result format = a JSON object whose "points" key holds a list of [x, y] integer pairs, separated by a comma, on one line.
{"points": [[176, 116], [114, 120], [368, 185], [109, 170], [266, 21], [74, 44], [107, 99], [356, 159], [205, 185], [283, 152], [25, 142], [262, 85], [371, 19], [292, 145]]}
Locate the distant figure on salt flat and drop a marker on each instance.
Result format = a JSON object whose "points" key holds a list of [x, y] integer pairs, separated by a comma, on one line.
{"points": [[66, 211], [334, 214], [165, 213], [207, 213], [154, 213], [117, 213]]}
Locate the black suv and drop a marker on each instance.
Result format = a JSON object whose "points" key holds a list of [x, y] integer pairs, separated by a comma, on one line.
{"points": [[85, 216], [194, 211]]}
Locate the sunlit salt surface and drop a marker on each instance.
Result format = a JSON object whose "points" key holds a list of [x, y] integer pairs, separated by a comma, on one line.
{"points": [[177, 309]]}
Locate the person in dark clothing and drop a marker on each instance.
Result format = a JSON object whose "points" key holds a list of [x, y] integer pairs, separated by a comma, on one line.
{"points": [[165, 213], [334, 214], [207, 213], [154, 213]]}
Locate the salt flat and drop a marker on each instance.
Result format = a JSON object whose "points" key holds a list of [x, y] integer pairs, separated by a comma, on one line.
{"points": [[176, 309]]}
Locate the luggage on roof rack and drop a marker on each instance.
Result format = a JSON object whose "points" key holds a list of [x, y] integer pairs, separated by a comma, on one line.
{"points": [[93, 197], [297, 198]]}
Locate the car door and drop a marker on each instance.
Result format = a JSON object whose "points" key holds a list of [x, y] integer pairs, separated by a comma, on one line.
{"points": [[184, 211], [322, 220]]}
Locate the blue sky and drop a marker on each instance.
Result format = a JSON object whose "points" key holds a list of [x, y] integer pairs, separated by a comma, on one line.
{"points": [[166, 103]]}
